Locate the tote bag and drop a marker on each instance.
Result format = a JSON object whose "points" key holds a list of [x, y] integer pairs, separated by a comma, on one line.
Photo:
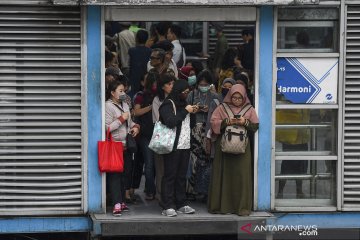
{"points": [[110, 155], [163, 138]]}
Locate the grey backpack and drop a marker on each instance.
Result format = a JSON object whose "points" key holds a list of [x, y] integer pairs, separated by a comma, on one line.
{"points": [[235, 138]]}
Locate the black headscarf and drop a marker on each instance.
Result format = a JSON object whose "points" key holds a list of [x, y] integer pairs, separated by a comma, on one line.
{"points": [[178, 88]]}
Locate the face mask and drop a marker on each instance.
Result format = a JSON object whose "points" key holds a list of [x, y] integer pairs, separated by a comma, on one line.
{"points": [[183, 96], [192, 80], [204, 89], [224, 91], [122, 97]]}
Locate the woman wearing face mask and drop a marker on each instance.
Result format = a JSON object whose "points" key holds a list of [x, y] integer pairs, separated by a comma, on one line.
{"points": [[117, 118], [176, 163], [231, 182], [210, 141], [143, 113], [198, 180], [164, 88]]}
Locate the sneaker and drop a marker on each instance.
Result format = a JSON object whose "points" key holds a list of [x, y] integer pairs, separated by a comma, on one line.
{"points": [[169, 212], [117, 210], [186, 210], [124, 207]]}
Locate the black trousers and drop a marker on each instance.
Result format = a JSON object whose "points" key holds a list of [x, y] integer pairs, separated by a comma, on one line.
{"points": [[119, 182], [173, 184]]}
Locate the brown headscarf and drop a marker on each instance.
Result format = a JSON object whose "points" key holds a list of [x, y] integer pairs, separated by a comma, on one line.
{"points": [[220, 114]]}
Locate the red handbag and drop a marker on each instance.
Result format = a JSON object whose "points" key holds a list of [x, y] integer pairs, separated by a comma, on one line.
{"points": [[110, 155]]}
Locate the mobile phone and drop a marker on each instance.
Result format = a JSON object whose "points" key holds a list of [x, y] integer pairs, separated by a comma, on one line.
{"points": [[237, 116]]}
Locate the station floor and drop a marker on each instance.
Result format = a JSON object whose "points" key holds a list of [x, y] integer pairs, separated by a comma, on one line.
{"points": [[144, 219]]}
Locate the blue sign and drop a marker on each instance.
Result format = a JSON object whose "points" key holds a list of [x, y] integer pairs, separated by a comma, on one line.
{"points": [[307, 80]]}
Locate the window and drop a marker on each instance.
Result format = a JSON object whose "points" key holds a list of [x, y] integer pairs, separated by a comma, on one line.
{"points": [[306, 141], [307, 30]]}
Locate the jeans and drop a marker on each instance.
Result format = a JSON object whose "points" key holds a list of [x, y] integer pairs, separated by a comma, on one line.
{"points": [[148, 155]]}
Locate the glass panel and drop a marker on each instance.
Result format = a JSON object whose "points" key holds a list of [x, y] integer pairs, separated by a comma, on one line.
{"points": [[308, 35], [306, 130], [306, 180]]}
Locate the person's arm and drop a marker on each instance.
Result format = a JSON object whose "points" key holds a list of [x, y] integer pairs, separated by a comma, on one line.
{"points": [[177, 53], [168, 116], [138, 111], [155, 109], [217, 123], [114, 122]]}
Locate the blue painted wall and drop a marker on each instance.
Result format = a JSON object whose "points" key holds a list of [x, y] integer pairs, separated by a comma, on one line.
{"points": [[49, 224], [265, 106], [94, 104]]}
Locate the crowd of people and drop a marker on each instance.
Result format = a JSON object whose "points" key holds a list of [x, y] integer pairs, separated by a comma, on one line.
{"points": [[148, 79]]}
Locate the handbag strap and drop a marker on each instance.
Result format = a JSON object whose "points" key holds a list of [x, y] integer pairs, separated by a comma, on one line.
{"points": [[229, 112], [173, 105], [122, 110], [109, 135]]}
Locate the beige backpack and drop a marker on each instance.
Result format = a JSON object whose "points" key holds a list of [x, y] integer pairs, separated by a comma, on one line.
{"points": [[235, 139]]}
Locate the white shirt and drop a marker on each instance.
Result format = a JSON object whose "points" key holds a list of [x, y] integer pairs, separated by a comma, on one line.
{"points": [[126, 40], [177, 51]]}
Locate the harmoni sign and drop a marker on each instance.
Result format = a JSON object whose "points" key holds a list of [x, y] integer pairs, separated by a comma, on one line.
{"points": [[307, 80]]}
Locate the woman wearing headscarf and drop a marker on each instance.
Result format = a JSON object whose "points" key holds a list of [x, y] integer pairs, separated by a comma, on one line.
{"points": [[176, 162], [226, 86], [231, 182]]}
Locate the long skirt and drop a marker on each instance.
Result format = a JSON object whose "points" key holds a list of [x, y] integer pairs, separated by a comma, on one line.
{"points": [[200, 165]]}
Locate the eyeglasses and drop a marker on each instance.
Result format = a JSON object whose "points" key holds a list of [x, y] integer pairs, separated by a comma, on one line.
{"points": [[237, 98], [152, 58]]}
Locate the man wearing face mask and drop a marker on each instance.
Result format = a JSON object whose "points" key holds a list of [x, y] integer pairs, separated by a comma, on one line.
{"points": [[199, 161]]}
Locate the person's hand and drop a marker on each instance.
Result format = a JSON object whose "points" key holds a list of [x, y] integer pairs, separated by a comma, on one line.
{"points": [[241, 121], [195, 108], [205, 108], [125, 115], [189, 108], [134, 131], [232, 121]]}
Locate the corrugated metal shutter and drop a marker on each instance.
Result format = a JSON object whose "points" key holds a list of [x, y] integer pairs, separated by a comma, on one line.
{"points": [[27, 2], [40, 110], [232, 32], [351, 191]]}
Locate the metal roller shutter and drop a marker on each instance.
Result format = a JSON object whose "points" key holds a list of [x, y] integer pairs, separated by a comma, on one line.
{"points": [[232, 31], [351, 190], [40, 110]]}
